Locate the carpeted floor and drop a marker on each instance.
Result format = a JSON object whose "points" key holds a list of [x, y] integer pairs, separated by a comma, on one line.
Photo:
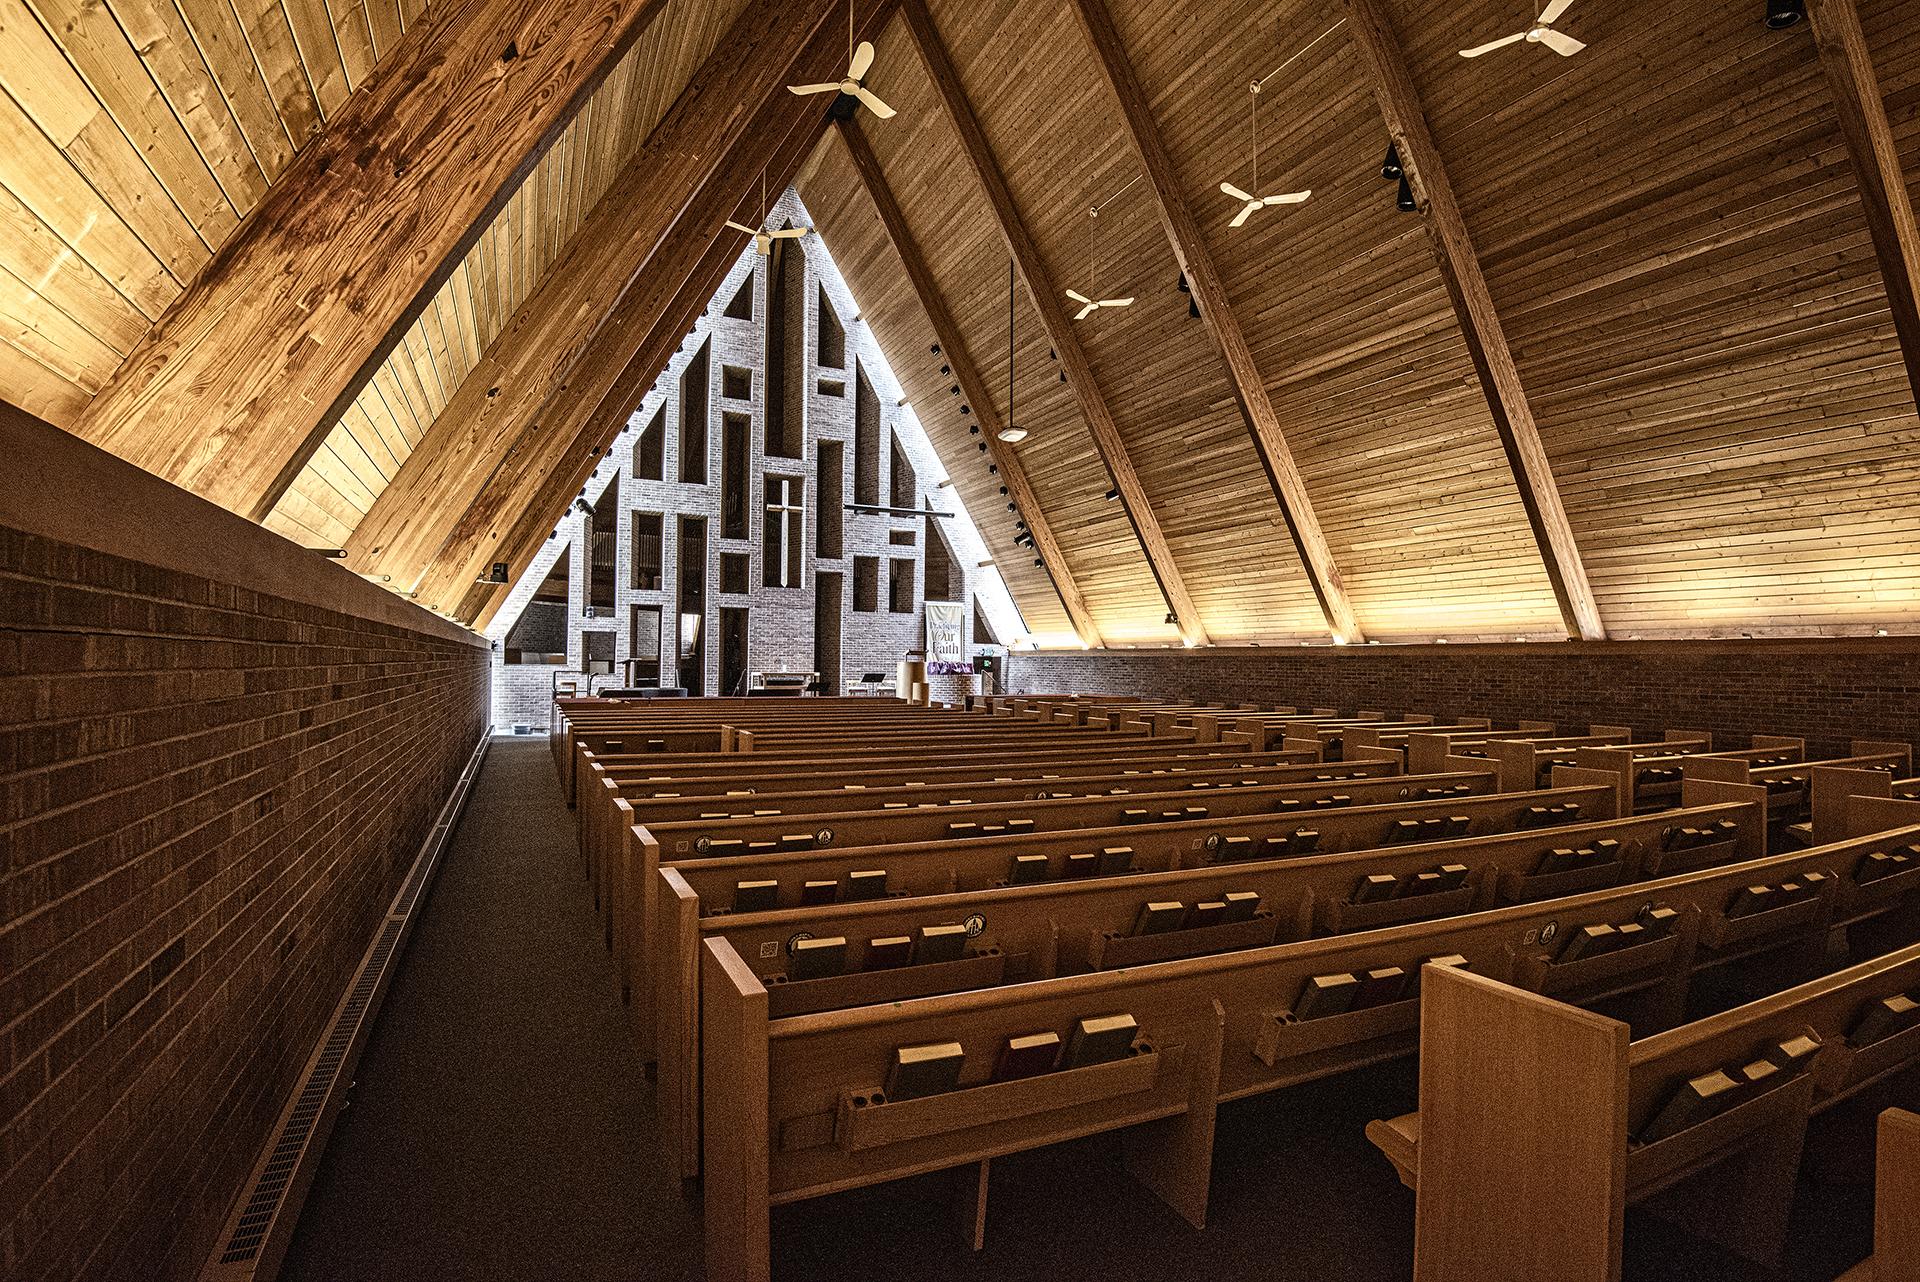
{"points": [[501, 1128]]}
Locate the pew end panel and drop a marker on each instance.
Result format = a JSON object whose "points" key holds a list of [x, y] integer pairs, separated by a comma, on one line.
{"points": [[1833, 788], [1494, 1203]]}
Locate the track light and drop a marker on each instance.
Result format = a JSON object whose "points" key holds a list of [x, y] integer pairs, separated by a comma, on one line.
{"points": [[1170, 618], [1012, 435], [1019, 525], [966, 409], [983, 447], [1113, 493], [1405, 202], [332, 554], [935, 349], [1013, 507], [946, 369], [1003, 489], [973, 429], [1390, 168], [1782, 14], [583, 507], [993, 469], [1038, 564]]}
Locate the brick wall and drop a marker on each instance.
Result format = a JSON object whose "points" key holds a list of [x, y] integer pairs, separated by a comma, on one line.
{"points": [[208, 795], [1826, 691]]}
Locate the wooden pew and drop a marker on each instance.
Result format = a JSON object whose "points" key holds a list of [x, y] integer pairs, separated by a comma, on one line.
{"points": [[1070, 927], [1790, 786], [1650, 774], [1500, 1067], [968, 864], [1896, 1199], [1427, 752], [794, 1107]]}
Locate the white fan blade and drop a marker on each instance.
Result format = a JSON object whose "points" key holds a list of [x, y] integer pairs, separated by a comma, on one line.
{"points": [[1288, 198], [751, 231], [1234, 192], [804, 90], [862, 59], [1116, 302], [873, 102], [1246, 212], [790, 233], [1554, 10], [1514, 39], [1078, 297], [1560, 42], [1087, 311]]}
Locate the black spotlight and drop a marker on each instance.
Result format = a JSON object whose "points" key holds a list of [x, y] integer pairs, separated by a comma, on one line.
{"points": [[993, 469], [1193, 309], [1003, 489], [983, 447], [1782, 14], [1113, 494], [1013, 507], [946, 369], [1405, 201], [966, 409], [973, 429], [935, 349], [1170, 616], [1038, 564], [1390, 167]]}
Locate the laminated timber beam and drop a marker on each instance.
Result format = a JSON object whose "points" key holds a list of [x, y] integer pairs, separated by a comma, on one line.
{"points": [[1210, 295], [1862, 109], [1486, 340], [242, 378], [1053, 320], [893, 221], [583, 429], [465, 479]]}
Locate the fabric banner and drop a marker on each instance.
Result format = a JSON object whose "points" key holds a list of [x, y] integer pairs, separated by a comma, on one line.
{"points": [[947, 639]]}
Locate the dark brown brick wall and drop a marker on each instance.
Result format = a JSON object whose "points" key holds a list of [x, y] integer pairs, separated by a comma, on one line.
{"points": [[208, 796], [1826, 691]]}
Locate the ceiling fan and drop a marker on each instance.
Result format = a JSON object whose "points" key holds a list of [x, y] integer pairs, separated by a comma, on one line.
{"points": [[1251, 201], [858, 62], [1541, 32], [762, 238], [1088, 306]]}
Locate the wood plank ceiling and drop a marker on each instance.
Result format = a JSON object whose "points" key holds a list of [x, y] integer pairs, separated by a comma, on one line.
{"points": [[1670, 228]]}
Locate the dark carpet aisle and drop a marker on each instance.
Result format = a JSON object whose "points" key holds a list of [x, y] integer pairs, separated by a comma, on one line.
{"points": [[500, 1125]]}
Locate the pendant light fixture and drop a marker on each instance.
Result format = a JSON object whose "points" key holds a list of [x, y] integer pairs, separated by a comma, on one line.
{"points": [[1011, 433]]}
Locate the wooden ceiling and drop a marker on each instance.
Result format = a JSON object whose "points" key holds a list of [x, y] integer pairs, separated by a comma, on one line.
{"points": [[1635, 369]]}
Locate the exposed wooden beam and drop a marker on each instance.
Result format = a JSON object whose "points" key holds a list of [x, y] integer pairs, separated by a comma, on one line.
{"points": [[462, 479], [575, 434], [1876, 166], [1486, 340], [1053, 320], [1210, 295], [954, 347], [249, 368]]}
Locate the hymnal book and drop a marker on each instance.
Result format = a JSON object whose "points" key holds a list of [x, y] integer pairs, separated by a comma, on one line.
{"points": [[817, 958], [1607, 850], [919, 1071], [939, 944], [1325, 995], [1304, 841], [1751, 899], [1027, 869], [1205, 914], [1658, 921], [1235, 848], [818, 892], [1789, 892], [865, 883], [1459, 825], [1795, 1053], [1100, 1039], [1027, 1056], [1588, 941], [1242, 905], [1158, 918], [1559, 859], [1085, 865], [1629, 934], [1883, 1019], [1421, 883], [756, 896], [1692, 1104], [1375, 887], [1405, 830], [1452, 876], [1380, 987], [1115, 860], [889, 952], [1758, 1075]]}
